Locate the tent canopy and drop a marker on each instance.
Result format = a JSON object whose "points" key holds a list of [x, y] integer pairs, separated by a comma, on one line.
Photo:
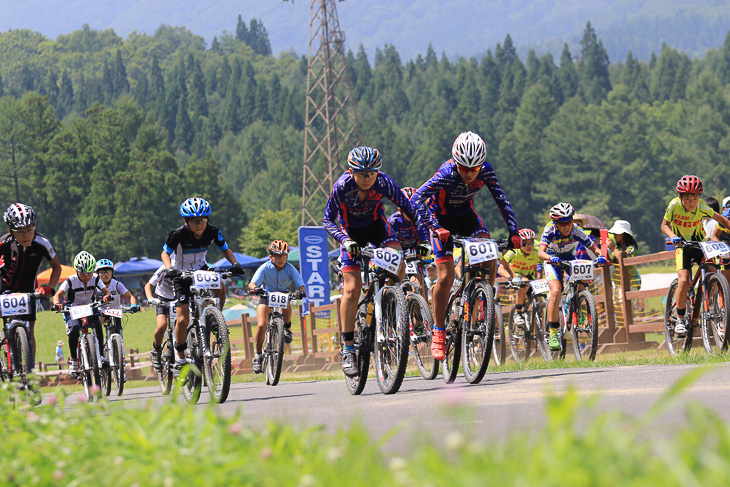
{"points": [[243, 259], [45, 276], [137, 265]]}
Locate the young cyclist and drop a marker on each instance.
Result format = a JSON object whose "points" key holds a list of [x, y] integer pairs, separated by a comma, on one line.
{"points": [[446, 204], [276, 276], [83, 288], [354, 216], [562, 241], [683, 222], [411, 237], [521, 265], [185, 249], [160, 298], [22, 250]]}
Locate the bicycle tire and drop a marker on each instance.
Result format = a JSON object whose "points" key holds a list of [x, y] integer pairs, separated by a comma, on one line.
{"points": [[192, 381], [218, 365], [92, 374], [117, 351], [675, 345], [363, 348], [105, 375], [165, 374], [498, 344], [519, 338], [420, 322], [24, 362], [391, 354], [718, 293], [541, 336], [275, 350], [585, 327], [477, 338], [452, 341]]}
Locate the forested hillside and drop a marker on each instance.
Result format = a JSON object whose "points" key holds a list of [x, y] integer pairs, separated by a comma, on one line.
{"points": [[108, 135]]}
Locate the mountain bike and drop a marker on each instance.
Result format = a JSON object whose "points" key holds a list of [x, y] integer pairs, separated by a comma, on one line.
{"points": [[113, 350], [167, 351], [707, 304], [523, 339], [470, 314], [208, 345], [15, 346], [383, 308], [420, 320], [578, 314], [273, 353], [87, 351]]}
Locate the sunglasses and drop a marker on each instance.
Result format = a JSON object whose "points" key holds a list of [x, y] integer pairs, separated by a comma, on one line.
{"points": [[468, 169]]}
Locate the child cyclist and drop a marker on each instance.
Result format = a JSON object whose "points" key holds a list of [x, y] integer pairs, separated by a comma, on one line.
{"points": [[446, 204], [161, 298], [520, 266], [562, 241], [83, 288], [354, 216], [411, 237], [276, 276], [185, 249], [683, 222]]}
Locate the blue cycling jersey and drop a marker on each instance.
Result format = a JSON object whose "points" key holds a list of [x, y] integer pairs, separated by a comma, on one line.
{"points": [[277, 280], [566, 247], [447, 194], [407, 231], [345, 209]]}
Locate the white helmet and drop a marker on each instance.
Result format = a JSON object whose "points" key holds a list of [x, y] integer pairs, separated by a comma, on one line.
{"points": [[562, 211], [469, 150]]}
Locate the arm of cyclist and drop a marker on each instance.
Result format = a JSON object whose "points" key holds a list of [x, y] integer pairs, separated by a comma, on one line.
{"points": [[55, 272], [505, 270], [721, 220], [420, 199], [667, 230], [329, 220]]}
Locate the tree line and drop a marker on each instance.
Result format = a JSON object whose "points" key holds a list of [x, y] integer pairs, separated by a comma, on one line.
{"points": [[106, 136]]}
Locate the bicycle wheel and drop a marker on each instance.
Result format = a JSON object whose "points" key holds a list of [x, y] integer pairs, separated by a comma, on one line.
{"points": [[538, 320], [274, 350], [478, 335], [391, 347], [452, 342], [421, 330], [117, 351], [716, 313], [105, 374], [23, 360], [498, 346], [165, 374], [193, 380], [585, 327], [92, 375], [675, 345], [363, 346], [218, 365], [519, 338]]}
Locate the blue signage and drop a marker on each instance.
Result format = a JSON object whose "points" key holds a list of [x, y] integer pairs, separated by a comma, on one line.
{"points": [[314, 264]]}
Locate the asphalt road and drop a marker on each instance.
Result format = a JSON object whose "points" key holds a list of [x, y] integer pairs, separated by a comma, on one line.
{"points": [[502, 403]]}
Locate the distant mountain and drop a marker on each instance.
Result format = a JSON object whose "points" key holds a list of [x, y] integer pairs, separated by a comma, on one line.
{"points": [[456, 27]]}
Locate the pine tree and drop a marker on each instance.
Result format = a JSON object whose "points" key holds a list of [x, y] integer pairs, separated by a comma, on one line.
{"points": [[66, 96], [183, 126], [232, 119], [107, 85], [593, 68], [241, 30], [567, 76], [198, 98], [119, 75]]}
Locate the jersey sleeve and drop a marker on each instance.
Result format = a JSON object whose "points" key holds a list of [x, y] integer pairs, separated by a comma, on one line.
{"points": [[421, 198], [331, 211], [157, 276], [173, 240], [669, 212], [64, 286], [217, 237], [296, 277], [491, 181], [121, 288], [258, 277]]}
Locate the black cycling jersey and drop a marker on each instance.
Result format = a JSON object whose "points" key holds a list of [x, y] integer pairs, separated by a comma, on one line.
{"points": [[186, 252], [19, 265]]}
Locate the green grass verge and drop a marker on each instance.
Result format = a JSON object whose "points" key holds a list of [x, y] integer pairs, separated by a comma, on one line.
{"points": [[176, 444]]}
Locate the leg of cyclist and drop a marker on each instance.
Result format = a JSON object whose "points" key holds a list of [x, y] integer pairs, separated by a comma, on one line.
{"points": [[262, 319], [156, 354], [683, 276], [31, 327], [287, 324], [73, 328], [441, 291], [555, 283], [418, 278], [352, 283], [221, 295], [95, 322]]}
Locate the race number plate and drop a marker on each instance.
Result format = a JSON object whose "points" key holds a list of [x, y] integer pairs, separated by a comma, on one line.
{"points": [[115, 312], [278, 300], [78, 312], [714, 249], [540, 286], [387, 259], [15, 304], [581, 270], [481, 250], [411, 267], [206, 280]]}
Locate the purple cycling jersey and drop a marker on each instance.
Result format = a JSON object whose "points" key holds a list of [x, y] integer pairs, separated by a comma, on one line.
{"points": [[407, 231], [345, 210], [447, 194]]}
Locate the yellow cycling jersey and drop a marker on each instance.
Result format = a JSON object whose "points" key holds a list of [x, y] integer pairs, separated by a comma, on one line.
{"points": [[688, 224], [523, 264]]}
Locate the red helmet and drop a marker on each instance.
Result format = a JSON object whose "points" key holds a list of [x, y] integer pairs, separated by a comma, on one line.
{"points": [[689, 184], [408, 191], [526, 234]]}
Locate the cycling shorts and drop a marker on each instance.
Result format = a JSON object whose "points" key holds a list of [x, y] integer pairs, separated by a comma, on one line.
{"points": [[379, 233], [470, 225], [685, 257], [553, 273]]}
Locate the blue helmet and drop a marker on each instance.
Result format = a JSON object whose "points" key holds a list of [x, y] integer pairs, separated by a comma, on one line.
{"points": [[104, 264], [364, 159], [193, 207]]}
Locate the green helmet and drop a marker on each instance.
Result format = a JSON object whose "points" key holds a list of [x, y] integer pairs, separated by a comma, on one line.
{"points": [[84, 262]]}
